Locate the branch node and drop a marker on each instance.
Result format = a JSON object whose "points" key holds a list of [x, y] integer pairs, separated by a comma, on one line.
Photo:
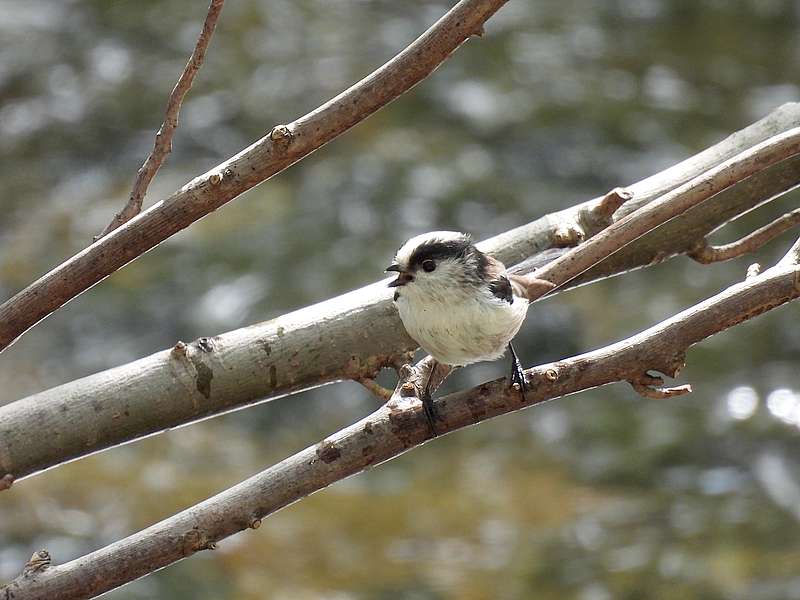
{"points": [[649, 386], [408, 389], [254, 523], [214, 179], [195, 540], [6, 481], [38, 562], [551, 374], [282, 134], [479, 32], [753, 270], [701, 252], [179, 350], [609, 203], [567, 235]]}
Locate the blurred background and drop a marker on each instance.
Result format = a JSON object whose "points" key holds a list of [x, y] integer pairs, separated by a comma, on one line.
{"points": [[599, 496]]}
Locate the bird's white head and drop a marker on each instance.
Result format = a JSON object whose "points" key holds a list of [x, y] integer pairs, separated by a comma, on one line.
{"points": [[437, 265]]}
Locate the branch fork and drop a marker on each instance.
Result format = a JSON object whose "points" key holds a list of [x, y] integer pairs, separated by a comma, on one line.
{"points": [[706, 253], [162, 145]]}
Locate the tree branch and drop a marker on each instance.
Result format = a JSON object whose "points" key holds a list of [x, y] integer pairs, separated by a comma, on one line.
{"points": [[792, 257], [399, 426], [375, 388], [294, 352], [163, 142], [705, 253], [675, 202], [280, 148]]}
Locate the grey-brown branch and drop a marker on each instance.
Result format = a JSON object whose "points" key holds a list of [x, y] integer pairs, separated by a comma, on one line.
{"points": [[324, 343], [162, 145], [281, 147], [400, 425], [672, 204]]}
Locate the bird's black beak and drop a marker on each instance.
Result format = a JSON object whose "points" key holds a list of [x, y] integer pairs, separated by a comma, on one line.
{"points": [[402, 276]]}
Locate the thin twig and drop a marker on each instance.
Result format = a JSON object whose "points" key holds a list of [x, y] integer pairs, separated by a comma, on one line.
{"points": [[396, 427], [376, 388], [163, 142], [706, 253]]}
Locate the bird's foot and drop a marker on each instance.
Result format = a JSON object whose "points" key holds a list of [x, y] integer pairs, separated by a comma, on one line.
{"points": [[517, 376], [430, 411]]}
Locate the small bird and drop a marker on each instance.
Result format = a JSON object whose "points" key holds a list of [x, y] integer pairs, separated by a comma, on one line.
{"points": [[458, 304]]}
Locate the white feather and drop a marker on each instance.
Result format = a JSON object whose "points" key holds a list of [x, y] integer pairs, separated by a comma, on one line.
{"points": [[457, 324]]}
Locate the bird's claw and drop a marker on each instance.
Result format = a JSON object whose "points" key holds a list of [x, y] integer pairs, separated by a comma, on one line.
{"points": [[430, 411], [517, 376]]}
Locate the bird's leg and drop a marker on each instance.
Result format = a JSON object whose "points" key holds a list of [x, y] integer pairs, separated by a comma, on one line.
{"points": [[516, 375], [427, 401]]}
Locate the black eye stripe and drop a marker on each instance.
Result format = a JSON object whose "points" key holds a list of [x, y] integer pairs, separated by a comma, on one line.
{"points": [[437, 251]]}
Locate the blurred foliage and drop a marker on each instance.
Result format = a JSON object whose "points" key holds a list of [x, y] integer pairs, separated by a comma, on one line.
{"points": [[593, 497]]}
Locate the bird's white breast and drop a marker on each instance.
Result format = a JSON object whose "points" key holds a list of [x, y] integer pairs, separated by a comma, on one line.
{"points": [[460, 329]]}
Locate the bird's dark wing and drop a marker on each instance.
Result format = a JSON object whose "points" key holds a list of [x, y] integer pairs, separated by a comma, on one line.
{"points": [[499, 284], [501, 288], [504, 285]]}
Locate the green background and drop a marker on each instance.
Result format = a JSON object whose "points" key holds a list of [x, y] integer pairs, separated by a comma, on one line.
{"points": [[598, 496]]}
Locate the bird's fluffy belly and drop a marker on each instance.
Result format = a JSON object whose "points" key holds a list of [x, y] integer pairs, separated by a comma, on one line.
{"points": [[463, 332]]}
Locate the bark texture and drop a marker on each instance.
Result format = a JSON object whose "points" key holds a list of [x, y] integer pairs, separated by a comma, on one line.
{"points": [[395, 428], [349, 337]]}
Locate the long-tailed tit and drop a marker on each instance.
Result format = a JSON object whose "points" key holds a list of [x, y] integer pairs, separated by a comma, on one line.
{"points": [[460, 305]]}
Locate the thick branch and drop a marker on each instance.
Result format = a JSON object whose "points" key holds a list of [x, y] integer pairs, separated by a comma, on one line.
{"points": [[396, 427], [163, 142], [283, 146], [705, 253], [325, 342]]}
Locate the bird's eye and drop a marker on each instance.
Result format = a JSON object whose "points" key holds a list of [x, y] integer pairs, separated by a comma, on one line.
{"points": [[428, 266]]}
